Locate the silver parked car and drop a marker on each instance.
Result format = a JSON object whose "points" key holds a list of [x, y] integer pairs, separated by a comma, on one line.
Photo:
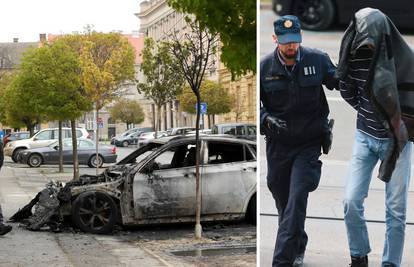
{"points": [[156, 184], [42, 138], [86, 154]]}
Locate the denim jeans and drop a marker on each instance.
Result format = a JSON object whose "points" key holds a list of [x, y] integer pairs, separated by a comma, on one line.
{"points": [[366, 153]]}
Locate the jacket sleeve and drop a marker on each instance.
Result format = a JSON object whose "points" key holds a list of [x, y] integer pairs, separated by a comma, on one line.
{"points": [[329, 79], [349, 92], [263, 111]]}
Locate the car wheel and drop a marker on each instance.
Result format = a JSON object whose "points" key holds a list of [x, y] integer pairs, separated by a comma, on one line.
{"points": [[15, 153], [315, 14], [35, 160], [95, 212], [93, 162], [251, 211], [125, 143]]}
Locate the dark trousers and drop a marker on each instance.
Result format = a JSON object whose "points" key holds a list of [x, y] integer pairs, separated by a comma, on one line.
{"points": [[293, 172]]}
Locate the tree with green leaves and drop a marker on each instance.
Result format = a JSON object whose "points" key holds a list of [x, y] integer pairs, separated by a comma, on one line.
{"points": [[163, 80], [20, 102], [107, 62], [56, 69], [128, 111], [218, 99], [235, 21], [194, 49]]}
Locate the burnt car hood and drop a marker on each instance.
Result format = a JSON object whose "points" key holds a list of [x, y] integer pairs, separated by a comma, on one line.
{"points": [[390, 83]]}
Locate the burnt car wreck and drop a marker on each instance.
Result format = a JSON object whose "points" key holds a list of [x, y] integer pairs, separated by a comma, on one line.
{"points": [[154, 184]]}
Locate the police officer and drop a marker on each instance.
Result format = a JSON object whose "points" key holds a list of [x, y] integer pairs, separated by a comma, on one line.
{"points": [[294, 118]]}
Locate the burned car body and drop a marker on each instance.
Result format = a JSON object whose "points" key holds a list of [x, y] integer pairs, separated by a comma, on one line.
{"points": [[156, 184]]}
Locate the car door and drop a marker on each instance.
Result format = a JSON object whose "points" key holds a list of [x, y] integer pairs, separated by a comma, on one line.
{"points": [[165, 187], [42, 139], [67, 151], [228, 178], [85, 150]]}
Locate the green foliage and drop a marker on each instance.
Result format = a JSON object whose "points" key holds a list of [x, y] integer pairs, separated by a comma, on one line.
{"points": [[235, 21], [107, 62], [217, 98], [128, 111], [163, 78]]}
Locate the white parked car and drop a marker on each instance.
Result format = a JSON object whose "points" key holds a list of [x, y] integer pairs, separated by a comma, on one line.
{"points": [[145, 138], [42, 138]]}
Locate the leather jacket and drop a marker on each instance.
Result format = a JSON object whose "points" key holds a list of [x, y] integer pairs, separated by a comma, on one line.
{"points": [[390, 83]]}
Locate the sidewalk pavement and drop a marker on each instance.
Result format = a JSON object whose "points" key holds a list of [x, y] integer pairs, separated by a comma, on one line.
{"points": [[18, 185]]}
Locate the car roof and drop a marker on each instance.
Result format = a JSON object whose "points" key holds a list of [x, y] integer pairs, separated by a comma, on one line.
{"points": [[235, 124], [207, 137]]}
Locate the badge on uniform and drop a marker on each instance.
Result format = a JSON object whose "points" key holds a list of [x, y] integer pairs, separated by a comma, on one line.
{"points": [[310, 70]]}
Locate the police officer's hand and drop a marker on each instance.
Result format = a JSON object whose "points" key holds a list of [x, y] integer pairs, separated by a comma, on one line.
{"points": [[275, 124]]}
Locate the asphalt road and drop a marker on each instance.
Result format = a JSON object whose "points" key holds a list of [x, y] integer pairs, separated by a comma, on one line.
{"points": [[327, 237]]}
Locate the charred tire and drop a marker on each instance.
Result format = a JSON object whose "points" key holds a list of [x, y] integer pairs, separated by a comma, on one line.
{"points": [[125, 144], [315, 14], [95, 212], [251, 211], [93, 162], [35, 160], [15, 152]]}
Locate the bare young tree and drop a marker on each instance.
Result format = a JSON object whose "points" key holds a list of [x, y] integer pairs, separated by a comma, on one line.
{"points": [[195, 48]]}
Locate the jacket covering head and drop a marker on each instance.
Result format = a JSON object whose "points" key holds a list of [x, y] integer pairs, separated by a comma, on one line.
{"points": [[390, 83]]}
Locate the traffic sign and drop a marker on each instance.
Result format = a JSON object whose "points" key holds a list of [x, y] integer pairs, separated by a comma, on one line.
{"points": [[203, 108]]}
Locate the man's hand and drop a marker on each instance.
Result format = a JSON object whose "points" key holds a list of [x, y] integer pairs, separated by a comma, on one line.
{"points": [[328, 138], [275, 124]]}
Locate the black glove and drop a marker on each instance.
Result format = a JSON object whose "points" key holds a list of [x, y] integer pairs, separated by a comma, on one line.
{"points": [[328, 137], [275, 124]]}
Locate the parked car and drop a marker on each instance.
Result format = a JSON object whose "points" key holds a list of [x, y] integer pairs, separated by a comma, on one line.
{"points": [[180, 130], [321, 14], [130, 131], [131, 139], [243, 130], [42, 138], [201, 131], [155, 184], [86, 154], [15, 136], [145, 138]]}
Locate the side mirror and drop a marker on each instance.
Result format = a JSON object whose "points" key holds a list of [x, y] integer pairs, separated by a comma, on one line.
{"points": [[34, 139], [56, 147]]}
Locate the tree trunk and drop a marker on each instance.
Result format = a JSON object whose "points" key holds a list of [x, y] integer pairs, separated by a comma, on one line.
{"points": [[171, 114], [214, 119], [75, 151], [60, 148], [165, 117], [209, 121], [153, 117], [158, 118], [97, 141], [198, 228]]}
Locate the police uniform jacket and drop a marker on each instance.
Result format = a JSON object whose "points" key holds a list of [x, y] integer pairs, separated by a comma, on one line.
{"points": [[296, 96]]}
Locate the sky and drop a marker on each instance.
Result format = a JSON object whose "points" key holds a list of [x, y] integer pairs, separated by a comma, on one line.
{"points": [[26, 19]]}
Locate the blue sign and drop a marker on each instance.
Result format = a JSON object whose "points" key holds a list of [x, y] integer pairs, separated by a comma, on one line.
{"points": [[203, 108]]}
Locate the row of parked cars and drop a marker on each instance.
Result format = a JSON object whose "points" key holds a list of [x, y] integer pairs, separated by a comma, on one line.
{"points": [[43, 148], [141, 136]]}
